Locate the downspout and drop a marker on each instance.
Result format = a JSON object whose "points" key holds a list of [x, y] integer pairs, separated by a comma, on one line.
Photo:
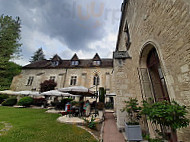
{"points": [[65, 78]]}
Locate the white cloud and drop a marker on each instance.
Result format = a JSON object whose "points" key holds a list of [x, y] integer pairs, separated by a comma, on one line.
{"points": [[57, 27]]}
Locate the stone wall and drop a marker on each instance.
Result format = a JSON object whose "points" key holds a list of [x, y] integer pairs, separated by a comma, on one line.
{"points": [[63, 77], [165, 24], [19, 82], [85, 77]]}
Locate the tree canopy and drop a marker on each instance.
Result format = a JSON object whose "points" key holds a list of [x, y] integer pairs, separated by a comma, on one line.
{"points": [[38, 55], [9, 48], [9, 37]]}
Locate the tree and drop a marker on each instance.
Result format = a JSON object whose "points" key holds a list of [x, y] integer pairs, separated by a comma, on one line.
{"points": [[38, 55], [11, 69], [47, 85], [102, 95], [9, 48], [9, 38]]}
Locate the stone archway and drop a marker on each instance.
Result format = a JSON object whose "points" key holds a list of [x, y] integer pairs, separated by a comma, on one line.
{"points": [[153, 84]]}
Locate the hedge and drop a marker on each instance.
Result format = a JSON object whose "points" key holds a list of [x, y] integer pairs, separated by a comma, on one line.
{"points": [[3, 98], [10, 101], [25, 101]]}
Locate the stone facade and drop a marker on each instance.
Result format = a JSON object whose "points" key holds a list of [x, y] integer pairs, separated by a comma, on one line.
{"points": [[84, 71], [165, 26]]}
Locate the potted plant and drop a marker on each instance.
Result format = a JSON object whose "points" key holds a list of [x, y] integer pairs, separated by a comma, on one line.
{"points": [[100, 107], [168, 115], [132, 128]]}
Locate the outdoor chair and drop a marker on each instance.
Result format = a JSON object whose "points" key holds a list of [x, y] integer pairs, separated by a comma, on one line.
{"points": [[69, 110]]}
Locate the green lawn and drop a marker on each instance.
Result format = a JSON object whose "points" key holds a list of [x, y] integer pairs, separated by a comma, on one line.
{"points": [[1, 126], [33, 125]]}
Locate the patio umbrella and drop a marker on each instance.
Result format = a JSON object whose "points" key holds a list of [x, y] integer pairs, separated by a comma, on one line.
{"points": [[77, 90], [8, 92], [55, 93], [27, 93]]}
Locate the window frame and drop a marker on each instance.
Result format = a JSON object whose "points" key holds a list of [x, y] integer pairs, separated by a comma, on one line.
{"points": [[96, 63], [74, 63], [30, 81], [52, 78], [96, 80], [73, 80]]}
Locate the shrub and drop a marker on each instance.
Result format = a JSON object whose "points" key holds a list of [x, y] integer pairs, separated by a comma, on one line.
{"points": [[25, 101], [10, 101], [166, 114], [74, 103], [101, 95], [47, 85], [109, 105], [133, 111], [100, 105], [91, 124], [39, 101], [3, 98]]}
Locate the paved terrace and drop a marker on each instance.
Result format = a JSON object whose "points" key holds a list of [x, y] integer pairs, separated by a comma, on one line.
{"points": [[111, 133]]}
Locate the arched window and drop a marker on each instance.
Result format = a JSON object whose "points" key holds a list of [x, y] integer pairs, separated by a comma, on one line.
{"points": [[96, 80], [156, 76]]}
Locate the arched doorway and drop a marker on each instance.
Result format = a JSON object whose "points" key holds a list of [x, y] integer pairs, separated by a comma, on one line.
{"points": [[153, 84]]}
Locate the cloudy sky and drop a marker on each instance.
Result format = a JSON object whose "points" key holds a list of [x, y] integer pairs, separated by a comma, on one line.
{"points": [[66, 27]]}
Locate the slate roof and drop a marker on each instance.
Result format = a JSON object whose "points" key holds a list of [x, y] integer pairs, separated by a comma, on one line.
{"points": [[75, 57], [97, 57], [56, 58], [83, 63]]}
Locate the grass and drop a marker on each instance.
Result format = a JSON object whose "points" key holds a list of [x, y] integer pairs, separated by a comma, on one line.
{"points": [[2, 126], [33, 125]]}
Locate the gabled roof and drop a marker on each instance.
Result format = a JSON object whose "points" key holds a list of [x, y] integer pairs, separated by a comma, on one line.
{"points": [[75, 57], [56, 58], [96, 57], [84, 63]]}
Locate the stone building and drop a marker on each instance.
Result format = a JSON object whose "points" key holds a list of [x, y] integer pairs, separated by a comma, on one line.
{"points": [[152, 56], [66, 73]]}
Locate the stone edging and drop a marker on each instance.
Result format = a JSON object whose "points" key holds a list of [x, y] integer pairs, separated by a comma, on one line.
{"points": [[102, 132], [89, 132], [7, 127]]}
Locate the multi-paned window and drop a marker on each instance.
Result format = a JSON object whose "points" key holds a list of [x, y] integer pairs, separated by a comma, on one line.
{"points": [[30, 80], [55, 63], [96, 80], [96, 63], [74, 63], [73, 80], [52, 78]]}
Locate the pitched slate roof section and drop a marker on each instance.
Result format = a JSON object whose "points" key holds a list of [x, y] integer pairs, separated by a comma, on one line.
{"points": [[96, 57], [56, 58], [84, 63], [75, 58]]}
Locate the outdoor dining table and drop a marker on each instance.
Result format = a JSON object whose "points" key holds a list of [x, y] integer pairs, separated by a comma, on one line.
{"points": [[76, 111]]}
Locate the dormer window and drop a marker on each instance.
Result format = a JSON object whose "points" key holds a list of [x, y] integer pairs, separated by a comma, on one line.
{"points": [[74, 63], [56, 60], [96, 63], [55, 63]]}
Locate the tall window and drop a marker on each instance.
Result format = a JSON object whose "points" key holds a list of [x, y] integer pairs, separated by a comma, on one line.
{"points": [[74, 63], [52, 78], [157, 77], [96, 80], [73, 80], [30, 80]]}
